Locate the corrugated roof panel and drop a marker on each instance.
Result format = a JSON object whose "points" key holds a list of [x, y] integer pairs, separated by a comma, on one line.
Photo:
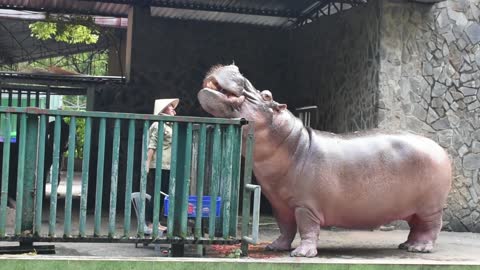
{"points": [[217, 16], [68, 6], [207, 9], [274, 13], [269, 13]]}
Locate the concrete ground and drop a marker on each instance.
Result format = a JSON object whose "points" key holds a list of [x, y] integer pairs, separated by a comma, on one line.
{"points": [[374, 246], [335, 246]]}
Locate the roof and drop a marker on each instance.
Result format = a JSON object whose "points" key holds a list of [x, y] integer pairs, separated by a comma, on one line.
{"points": [[274, 13], [16, 45]]}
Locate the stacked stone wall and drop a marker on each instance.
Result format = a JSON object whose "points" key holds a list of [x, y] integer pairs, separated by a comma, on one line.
{"points": [[429, 81], [335, 67]]}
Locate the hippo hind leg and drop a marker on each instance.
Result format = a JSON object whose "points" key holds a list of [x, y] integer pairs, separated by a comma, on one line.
{"points": [[288, 229], [309, 229], [424, 230]]}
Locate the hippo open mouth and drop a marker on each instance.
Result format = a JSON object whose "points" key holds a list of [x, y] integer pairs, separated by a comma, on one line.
{"points": [[228, 95], [223, 91]]}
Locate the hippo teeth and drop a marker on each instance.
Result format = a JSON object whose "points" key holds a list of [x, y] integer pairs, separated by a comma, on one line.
{"points": [[228, 94]]}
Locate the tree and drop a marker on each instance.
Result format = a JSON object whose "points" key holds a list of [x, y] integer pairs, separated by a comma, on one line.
{"points": [[68, 29]]}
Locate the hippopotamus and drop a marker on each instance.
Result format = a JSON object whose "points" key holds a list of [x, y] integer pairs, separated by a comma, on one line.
{"points": [[312, 178]]}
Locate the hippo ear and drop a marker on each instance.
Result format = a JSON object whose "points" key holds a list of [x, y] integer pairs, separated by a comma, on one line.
{"points": [[280, 107]]}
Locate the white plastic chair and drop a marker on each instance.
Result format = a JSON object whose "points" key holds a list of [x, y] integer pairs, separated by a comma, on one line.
{"points": [[135, 198]]}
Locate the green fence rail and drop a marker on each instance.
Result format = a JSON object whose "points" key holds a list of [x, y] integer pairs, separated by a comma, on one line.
{"points": [[206, 161]]}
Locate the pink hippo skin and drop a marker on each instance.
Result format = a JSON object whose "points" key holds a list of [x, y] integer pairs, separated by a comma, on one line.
{"points": [[315, 179]]}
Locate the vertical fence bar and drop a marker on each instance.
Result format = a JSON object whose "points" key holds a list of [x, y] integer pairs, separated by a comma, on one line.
{"points": [[186, 180], [99, 186], [55, 174], [31, 138], [129, 177], [19, 98], [37, 99], [40, 175], [236, 163], [158, 177], [20, 173], [10, 97], [114, 178], [217, 137], [247, 179], [171, 220], [200, 179], [143, 180], [28, 98], [227, 180], [221, 184], [67, 230], [47, 99], [85, 168], [5, 172]]}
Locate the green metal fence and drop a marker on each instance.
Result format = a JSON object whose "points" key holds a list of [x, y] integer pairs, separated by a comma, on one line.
{"points": [[206, 152]]}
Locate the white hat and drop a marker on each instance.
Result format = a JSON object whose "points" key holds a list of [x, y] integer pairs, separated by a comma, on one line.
{"points": [[162, 104]]}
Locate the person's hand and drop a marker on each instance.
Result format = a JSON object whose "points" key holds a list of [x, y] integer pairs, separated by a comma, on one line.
{"points": [[147, 167]]}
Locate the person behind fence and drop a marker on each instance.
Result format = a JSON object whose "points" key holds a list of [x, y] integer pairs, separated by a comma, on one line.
{"points": [[162, 107]]}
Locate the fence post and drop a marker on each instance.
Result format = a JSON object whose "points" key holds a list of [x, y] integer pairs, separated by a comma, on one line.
{"points": [[29, 176], [247, 178]]}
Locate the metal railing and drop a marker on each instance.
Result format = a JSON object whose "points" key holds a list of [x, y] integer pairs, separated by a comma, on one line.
{"points": [[206, 151], [307, 114]]}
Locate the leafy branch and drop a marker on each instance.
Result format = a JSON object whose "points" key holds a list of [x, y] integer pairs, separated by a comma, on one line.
{"points": [[68, 29]]}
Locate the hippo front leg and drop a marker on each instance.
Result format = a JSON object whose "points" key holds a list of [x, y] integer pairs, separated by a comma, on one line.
{"points": [[288, 229], [309, 229]]}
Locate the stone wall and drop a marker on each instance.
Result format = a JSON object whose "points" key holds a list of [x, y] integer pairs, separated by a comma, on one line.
{"points": [[334, 65], [429, 80]]}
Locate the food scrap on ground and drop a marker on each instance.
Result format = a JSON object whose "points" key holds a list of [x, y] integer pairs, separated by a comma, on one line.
{"points": [[254, 251]]}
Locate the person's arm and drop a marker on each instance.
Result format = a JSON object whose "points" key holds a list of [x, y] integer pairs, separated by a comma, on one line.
{"points": [[150, 154], [152, 145]]}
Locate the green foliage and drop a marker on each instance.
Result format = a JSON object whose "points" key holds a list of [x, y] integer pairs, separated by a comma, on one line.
{"points": [[71, 30], [80, 136], [76, 103], [43, 30], [74, 34]]}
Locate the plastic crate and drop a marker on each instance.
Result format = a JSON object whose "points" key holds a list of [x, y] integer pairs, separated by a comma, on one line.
{"points": [[192, 206], [12, 139]]}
